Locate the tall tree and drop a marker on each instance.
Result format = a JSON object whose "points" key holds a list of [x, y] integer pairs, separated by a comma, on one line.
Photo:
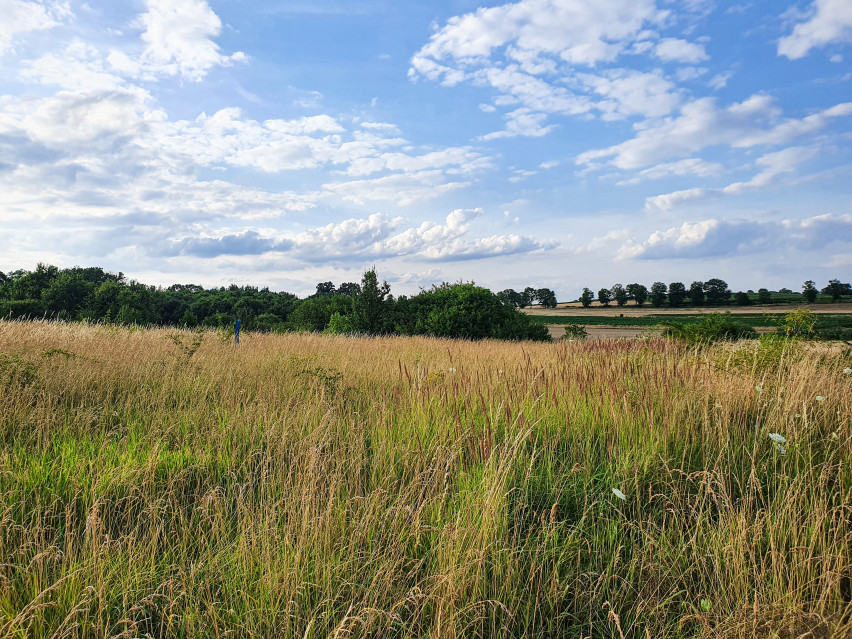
{"points": [[587, 298], [546, 297], [638, 292], [326, 288], [604, 297], [717, 292], [696, 293], [619, 294], [658, 293], [677, 294], [764, 296], [369, 304], [835, 289], [810, 291]]}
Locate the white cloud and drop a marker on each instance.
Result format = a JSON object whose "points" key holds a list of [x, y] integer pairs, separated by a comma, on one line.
{"points": [[374, 237], [575, 31], [828, 21], [21, 17], [677, 50], [542, 57], [775, 164], [629, 93], [178, 38], [686, 167], [402, 188], [716, 238], [701, 124]]}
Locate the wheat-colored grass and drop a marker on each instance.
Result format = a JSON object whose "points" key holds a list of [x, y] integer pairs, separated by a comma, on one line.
{"points": [[163, 483]]}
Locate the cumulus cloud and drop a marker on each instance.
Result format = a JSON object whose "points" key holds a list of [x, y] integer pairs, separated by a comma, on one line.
{"points": [[825, 22], [542, 57], [774, 164], [678, 50], [22, 16], [718, 238], [375, 237], [178, 38], [754, 122]]}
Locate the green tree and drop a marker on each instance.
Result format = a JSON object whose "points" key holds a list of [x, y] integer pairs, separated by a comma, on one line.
{"points": [[658, 293], [809, 290], [326, 288], [587, 298], [527, 297], [368, 306], [742, 299], [350, 289], [546, 297], [717, 292], [835, 289], [696, 293], [677, 294], [619, 294], [764, 296], [637, 292], [510, 297], [604, 297]]}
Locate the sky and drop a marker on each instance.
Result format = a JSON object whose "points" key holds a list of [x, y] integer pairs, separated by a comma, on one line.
{"points": [[545, 143]]}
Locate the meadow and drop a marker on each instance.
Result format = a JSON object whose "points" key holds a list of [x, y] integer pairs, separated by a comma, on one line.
{"points": [[164, 483]]}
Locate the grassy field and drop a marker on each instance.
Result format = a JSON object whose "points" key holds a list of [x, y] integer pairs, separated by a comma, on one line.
{"points": [[750, 319], [161, 483]]}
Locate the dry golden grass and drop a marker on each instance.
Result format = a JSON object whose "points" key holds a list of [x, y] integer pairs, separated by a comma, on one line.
{"points": [[162, 483]]}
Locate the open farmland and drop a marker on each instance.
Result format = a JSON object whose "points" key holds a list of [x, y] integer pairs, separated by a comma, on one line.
{"points": [[629, 321], [162, 483]]}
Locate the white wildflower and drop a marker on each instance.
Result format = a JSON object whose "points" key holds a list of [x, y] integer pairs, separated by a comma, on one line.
{"points": [[619, 494], [777, 438]]}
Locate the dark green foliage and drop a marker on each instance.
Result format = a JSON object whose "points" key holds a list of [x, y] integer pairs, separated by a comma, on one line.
{"points": [[466, 311], [836, 289], [370, 306], [527, 297], [619, 294], [314, 313], [326, 288], [714, 327], [546, 297], [677, 294], [604, 296], [696, 293], [742, 299], [92, 294], [509, 297], [717, 292], [658, 294], [764, 296], [809, 290], [638, 293], [587, 298]]}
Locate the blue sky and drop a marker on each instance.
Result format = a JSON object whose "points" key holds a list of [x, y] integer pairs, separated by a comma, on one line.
{"points": [[559, 143]]}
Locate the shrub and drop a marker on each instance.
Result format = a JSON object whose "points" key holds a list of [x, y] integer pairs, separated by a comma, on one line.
{"points": [[575, 331], [713, 327]]}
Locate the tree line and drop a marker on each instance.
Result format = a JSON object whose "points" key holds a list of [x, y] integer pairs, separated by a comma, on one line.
{"points": [[461, 310], [713, 292]]}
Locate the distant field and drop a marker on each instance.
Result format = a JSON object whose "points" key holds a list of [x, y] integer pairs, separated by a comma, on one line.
{"points": [[161, 483], [751, 319]]}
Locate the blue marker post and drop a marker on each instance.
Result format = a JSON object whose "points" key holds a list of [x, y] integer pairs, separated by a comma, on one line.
{"points": [[237, 334]]}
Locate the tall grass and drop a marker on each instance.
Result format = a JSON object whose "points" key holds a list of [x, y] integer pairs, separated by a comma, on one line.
{"points": [[157, 483]]}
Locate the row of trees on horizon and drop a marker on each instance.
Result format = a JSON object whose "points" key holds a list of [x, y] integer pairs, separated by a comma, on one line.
{"points": [[713, 292], [451, 310], [448, 310]]}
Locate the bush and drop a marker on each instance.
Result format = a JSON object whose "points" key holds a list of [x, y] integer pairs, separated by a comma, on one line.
{"points": [[714, 327], [575, 331]]}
